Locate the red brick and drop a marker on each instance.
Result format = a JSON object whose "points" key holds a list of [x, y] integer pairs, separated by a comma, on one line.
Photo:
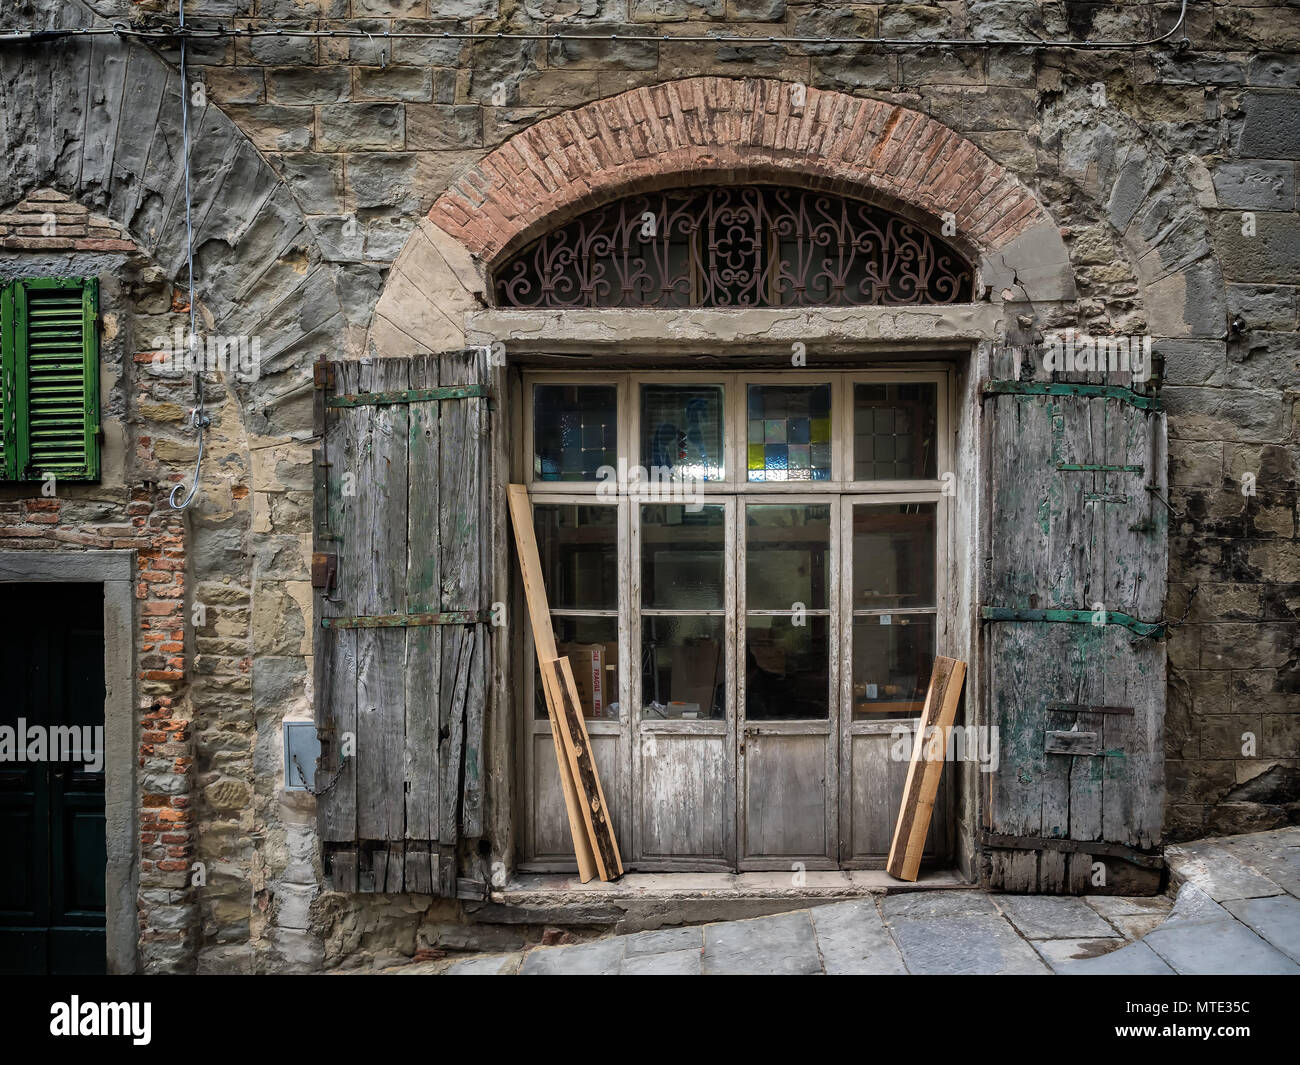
{"points": [[748, 130]]}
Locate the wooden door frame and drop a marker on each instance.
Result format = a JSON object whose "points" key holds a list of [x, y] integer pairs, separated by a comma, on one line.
{"points": [[115, 570], [931, 367]]}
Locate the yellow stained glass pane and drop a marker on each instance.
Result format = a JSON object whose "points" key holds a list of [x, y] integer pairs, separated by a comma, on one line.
{"points": [[821, 430], [757, 457]]}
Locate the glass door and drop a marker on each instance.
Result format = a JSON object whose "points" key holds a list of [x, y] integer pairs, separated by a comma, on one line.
{"points": [[683, 760], [787, 667]]}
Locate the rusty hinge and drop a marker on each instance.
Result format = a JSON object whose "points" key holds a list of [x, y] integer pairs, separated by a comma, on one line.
{"points": [[323, 375], [324, 568]]}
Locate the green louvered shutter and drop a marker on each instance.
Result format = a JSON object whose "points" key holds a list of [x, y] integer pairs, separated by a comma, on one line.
{"points": [[49, 340]]}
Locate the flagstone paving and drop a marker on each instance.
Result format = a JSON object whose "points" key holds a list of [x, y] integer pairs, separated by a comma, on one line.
{"points": [[1234, 910]]}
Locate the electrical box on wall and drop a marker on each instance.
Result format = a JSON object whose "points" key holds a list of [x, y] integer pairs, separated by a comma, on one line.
{"points": [[301, 749]]}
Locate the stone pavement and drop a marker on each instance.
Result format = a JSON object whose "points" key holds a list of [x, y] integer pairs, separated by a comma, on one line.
{"points": [[1236, 911]]}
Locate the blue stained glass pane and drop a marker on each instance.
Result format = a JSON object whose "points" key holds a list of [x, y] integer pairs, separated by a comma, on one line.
{"points": [[797, 430], [574, 431], [776, 456], [821, 473], [774, 431]]}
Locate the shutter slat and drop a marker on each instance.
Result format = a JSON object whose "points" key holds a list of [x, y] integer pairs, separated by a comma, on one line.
{"points": [[59, 439]]}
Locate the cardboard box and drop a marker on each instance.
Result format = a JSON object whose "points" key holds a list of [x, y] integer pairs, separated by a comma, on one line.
{"points": [[595, 674]]}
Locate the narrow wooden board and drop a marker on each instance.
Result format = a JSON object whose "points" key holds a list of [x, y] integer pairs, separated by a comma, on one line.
{"points": [[1081, 743], [923, 773], [577, 746], [530, 564]]}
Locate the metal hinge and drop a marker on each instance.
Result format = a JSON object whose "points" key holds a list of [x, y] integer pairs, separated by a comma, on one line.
{"points": [[1076, 617], [323, 375], [324, 568]]}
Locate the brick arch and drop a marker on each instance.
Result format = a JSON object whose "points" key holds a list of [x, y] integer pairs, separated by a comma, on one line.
{"points": [[720, 129]]}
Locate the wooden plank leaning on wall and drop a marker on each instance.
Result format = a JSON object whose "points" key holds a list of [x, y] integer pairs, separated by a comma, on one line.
{"points": [[929, 747], [584, 800]]}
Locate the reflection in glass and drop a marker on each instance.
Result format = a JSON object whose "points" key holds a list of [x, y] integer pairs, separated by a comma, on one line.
{"points": [[575, 431], [578, 547], [683, 670], [682, 565], [681, 431], [787, 669], [787, 556], [894, 431], [591, 646], [893, 656], [788, 435], [893, 555]]}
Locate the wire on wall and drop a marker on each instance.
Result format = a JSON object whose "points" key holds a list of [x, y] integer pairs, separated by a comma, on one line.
{"points": [[199, 418], [122, 29]]}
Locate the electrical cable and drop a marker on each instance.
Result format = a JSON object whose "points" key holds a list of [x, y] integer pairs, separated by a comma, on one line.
{"points": [[199, 418], [120, 29]]}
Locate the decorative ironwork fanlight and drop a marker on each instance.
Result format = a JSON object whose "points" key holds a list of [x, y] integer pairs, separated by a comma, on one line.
{"points": [[742, 246]]}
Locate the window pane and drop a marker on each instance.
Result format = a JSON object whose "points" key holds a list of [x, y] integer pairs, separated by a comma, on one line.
{"points": [[681, 430], [578, 546], [574, 431], [893, 555], [788, 433], [892, 660], [591, 646], [787, 556], [894, 431], [683, 667], [682, 564], [787, 669]]}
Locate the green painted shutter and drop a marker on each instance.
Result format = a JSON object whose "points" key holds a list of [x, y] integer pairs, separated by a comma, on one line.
{"points": [[49, 340]]}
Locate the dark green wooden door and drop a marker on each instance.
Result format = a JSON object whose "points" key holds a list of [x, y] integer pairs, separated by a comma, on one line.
{"points": [[52, 812]]}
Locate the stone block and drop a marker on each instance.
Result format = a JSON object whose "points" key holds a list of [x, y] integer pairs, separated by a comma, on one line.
{"points": [[781, 945], [1256, 185], [853, 940], [1271, 128], [351, 127]]}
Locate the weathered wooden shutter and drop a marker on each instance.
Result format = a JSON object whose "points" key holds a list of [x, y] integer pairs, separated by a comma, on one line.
{"points": [[1075, 653], [49, 354], [401, 569]]}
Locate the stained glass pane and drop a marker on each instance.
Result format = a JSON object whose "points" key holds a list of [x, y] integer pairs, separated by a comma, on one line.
{"points": [[894, 431], [681, 431], [789, 437], [575, 431]]}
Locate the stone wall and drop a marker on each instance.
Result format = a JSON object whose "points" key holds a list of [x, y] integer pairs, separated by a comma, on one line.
{"points": [[315, 162]]}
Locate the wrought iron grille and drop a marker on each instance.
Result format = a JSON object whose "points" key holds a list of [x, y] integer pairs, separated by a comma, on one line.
{"points": [[743, 246]]}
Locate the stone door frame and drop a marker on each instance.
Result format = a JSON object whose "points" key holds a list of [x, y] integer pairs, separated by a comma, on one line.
{"points": [[115, 571]]}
